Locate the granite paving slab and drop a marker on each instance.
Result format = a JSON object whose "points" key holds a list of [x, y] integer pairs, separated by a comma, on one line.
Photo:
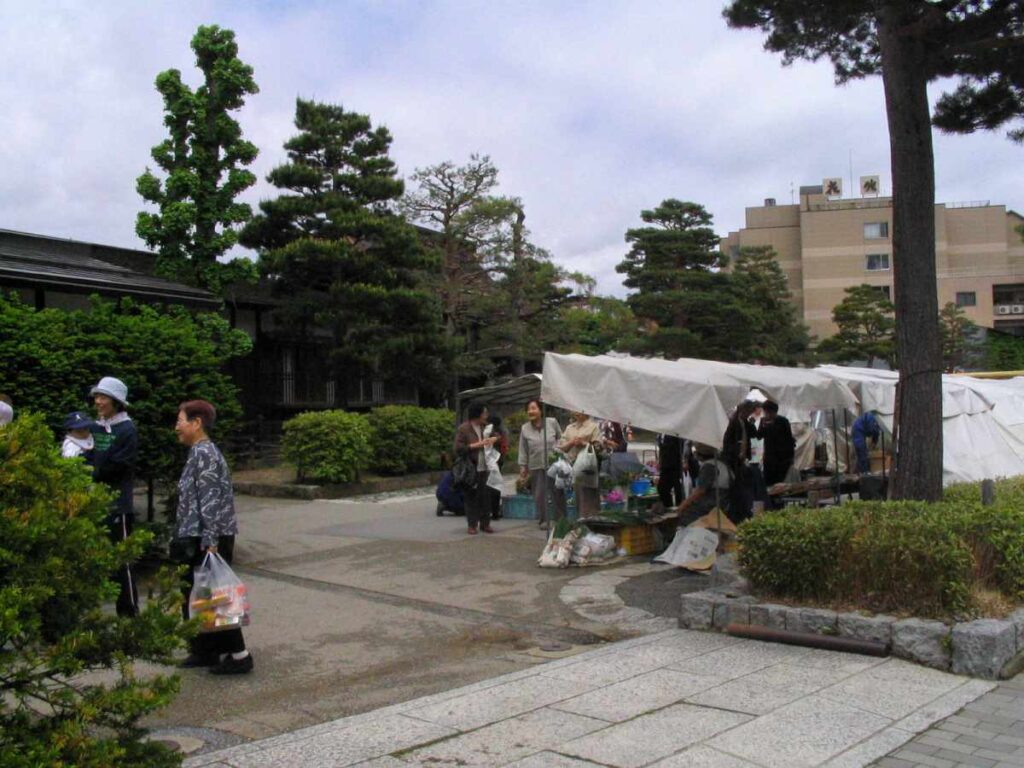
{"points": [[551, 760], [652, 737], [803, 734], [894, 689], [637, 695], [767, 689], [507, 741], [345, 746], [702, 757], [738, 660], [509, 700]]}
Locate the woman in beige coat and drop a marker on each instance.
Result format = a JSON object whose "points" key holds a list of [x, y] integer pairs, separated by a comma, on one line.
{"points": [[583, 431]]}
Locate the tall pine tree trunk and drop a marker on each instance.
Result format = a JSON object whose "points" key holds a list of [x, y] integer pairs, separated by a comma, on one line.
{"points": [[918, 473]]}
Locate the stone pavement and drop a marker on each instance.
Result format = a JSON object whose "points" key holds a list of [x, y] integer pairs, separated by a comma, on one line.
{"points": [[673, 698], [988, 733]]}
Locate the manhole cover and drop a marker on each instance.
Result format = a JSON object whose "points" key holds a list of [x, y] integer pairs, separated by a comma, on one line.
{"points": [[554, 647]]}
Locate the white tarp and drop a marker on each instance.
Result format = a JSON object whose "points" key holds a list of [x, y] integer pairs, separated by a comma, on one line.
{"points": [[685, 397], [1007, 398], [975, 445]]}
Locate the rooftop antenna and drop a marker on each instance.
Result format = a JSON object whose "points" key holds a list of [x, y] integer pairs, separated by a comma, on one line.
{"points": [[791, 200]]}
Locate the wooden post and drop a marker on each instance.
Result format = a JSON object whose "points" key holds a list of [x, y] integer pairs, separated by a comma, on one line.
{"points": [[988, 492]]}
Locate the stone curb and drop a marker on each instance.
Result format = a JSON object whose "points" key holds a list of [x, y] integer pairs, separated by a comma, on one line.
{"points": [[336, 491], [987, 648]]}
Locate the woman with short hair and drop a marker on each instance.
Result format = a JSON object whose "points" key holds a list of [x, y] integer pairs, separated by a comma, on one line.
{"points": [[206, 522], [537, 439]]}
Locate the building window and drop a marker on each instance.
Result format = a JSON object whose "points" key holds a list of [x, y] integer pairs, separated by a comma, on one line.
{"points": [[876, 230], [966, 299], [885, 290], [877, 262]]}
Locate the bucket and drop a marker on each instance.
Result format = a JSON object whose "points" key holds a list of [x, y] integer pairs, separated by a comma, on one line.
{"points": [[640, 487]]}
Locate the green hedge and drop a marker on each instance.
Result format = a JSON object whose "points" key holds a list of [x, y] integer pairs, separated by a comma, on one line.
{"points": [[926, 559], [410, 439], [328, 446]]}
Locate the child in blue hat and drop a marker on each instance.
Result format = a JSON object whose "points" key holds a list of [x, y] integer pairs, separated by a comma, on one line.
{"points": [[78, 440]]}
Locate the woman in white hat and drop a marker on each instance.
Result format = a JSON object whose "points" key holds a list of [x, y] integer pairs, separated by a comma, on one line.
{"points": [[115, 453]]}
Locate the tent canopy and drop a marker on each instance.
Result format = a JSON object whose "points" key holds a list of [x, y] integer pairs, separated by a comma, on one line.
{"points": [[685, 397]]}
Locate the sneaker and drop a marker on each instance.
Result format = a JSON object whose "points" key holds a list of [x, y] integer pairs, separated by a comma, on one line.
{"points": [[194, 660], [472, 530], [487, 529], [232, 666]]}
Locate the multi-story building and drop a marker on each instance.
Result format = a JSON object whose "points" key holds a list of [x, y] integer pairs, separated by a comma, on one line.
{"points": [[826, 244]]}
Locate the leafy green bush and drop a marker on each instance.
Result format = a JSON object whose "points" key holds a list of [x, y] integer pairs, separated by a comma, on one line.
{"points": [[328, 446], [926, 559], [55, 566], [49, 360], [410, 439]]}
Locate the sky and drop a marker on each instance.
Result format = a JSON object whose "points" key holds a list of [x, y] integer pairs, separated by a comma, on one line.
{"points": [[592, 111]]}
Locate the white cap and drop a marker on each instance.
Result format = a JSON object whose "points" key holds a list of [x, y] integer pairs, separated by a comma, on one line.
{"points": [[6, 413], [111, 387]]}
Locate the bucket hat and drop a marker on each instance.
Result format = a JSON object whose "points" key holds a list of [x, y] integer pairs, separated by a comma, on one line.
{"points": [[78, 420], [111, 387]]}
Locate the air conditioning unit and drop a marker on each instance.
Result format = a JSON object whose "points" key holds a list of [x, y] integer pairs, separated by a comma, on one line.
{"points": [[1002, 309], [1017, 309]]}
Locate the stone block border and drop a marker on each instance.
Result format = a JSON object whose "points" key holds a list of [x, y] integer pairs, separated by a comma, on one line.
{"points": [[987, 648]]}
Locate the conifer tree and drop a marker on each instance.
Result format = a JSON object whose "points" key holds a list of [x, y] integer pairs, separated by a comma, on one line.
{"points": [[204, 159], [337, 254]]}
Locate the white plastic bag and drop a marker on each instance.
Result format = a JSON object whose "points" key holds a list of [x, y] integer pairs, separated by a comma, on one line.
{"points": [[218, 599], [585, 468], [492, 456], [592, 546], [561, 473]]}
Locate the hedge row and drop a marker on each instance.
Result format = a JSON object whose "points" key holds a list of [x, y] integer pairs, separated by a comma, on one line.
{"points": [[913, 557], [335, 446]]}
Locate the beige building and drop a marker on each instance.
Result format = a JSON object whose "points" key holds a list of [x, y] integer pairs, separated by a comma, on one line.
{"points": [[825, 245]]}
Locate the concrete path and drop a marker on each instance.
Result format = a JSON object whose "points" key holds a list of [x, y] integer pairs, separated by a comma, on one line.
{"points": [[675, 698]]}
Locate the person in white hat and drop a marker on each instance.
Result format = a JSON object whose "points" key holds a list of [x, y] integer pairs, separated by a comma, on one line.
{"points": [[6, 410], [115, 453]]}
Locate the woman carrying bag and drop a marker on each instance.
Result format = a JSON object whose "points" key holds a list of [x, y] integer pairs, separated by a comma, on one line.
{"points": [[581, 442], [206, 524]]}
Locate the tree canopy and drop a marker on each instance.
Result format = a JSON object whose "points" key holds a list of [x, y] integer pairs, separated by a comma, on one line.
{"points": [[978, 45], [339, 257], [866, 328], [204, 160]]}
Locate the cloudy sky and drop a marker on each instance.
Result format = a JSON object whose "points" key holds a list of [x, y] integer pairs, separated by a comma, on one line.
{"points": [[592, 111]]}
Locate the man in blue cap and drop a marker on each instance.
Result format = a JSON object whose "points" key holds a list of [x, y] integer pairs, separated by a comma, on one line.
{"points": [[114, 456]]}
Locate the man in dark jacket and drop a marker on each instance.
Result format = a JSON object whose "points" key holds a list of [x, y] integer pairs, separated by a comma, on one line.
{"points": [[779, 444], [113, 460]]}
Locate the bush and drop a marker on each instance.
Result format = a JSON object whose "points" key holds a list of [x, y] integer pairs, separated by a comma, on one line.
{"points": [[49, 360], [328, 446], [926, 559], [410, 439], [55, 564]]}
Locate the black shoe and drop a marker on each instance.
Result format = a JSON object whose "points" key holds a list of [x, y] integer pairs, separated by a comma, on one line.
{"points": [[194, 660], [232, 666]]}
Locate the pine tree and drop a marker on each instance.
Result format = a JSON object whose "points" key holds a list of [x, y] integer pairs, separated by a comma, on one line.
{"points": [[689, 307], [911, 43], [204, 160], [780, 337], [866, 328], [337, 254]]}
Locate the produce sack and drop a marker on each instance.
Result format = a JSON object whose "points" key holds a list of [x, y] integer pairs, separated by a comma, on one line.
{"points": [[219, 598]]}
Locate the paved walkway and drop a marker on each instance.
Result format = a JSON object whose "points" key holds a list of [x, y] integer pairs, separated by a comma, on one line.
{"points": [[673, 698], [988, 733]]}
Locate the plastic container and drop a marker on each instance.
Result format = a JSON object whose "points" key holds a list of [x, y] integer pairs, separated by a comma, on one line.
{"points": [[518, 507], [636, 539], [640, 487]]}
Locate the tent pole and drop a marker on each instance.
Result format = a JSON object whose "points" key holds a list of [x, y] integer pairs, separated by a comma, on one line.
{"points": [[846, 441], [835, 447]]}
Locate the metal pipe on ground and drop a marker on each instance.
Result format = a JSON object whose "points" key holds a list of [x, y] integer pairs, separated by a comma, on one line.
{"points": [[808, 639]]}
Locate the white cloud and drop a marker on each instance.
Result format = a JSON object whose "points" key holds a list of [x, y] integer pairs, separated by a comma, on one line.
{"points": [[592, 111]]}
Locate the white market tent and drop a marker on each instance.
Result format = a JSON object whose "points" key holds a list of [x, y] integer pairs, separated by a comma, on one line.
{"points": [[975, 444], [685, 397], [1007, 398]]}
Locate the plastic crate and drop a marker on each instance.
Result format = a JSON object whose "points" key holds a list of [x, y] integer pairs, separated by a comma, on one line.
{"points": [[518, 507], [635, 539]]}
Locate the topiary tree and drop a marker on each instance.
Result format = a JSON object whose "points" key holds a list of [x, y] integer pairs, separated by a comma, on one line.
{"points": [[49, 359], [55, 563], [328, 446]]}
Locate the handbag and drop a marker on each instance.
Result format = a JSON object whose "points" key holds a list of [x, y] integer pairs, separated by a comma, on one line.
{"points": [[463, 473]]}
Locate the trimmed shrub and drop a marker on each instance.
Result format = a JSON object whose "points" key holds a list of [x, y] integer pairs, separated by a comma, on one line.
{"points": [[56, 633], [925, 559], [410, 439], [328, 446]]}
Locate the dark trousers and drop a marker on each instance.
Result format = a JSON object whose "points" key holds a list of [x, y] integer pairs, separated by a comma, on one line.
{"points": [[669, 483], [478, 502], [191, 553], [128, 598]]}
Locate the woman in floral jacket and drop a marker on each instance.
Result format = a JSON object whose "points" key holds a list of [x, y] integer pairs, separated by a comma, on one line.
{"points": [[206, 523]]}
